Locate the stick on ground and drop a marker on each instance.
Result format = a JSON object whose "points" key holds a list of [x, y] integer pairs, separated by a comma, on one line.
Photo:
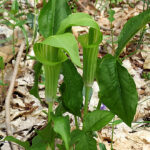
{"points": [[9, 94]]}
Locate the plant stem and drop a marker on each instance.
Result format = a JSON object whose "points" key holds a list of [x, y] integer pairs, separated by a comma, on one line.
{"points": [[13, 42], [48, 147], [99, 105], [76, 122], [50, 110], [112, 36], [112, 137], [87, 95], [2, 86], [110, 3], [34, 24]]}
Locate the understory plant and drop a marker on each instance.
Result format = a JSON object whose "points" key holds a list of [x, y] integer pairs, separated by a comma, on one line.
{"points": [[2, 66], [58, 53], [2, 84]]}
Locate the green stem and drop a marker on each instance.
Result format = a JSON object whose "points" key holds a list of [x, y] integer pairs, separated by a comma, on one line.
{"points": [[87, 95], [110, 3], [112, 36], [1, 97], [48, 147], [53, 144], [13, 41], [34, 24], [50, 110], [2, 75], [76, 122], [99, 104], [112, 137]]}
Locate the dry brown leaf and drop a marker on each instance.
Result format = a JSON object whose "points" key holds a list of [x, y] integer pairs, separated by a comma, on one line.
{"points": [[147, 62], [7, 53]]}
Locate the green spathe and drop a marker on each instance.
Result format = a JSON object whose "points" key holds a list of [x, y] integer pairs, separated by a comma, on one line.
{"points": [[77, 19], [51, 53], [66, 44], [90, 43]]}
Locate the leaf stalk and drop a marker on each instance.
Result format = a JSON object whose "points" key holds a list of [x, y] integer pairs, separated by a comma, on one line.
{"points": [[87, 95]]}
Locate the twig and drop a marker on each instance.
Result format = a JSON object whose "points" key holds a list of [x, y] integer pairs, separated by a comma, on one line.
{"points": [[82, 6], [9, 94]]}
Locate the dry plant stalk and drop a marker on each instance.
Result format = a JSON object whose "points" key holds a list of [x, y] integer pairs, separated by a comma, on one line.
{"points": [[9, 94]]}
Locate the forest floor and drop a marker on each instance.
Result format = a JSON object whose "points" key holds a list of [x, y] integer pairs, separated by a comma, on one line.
{"points": [[27, 111]]}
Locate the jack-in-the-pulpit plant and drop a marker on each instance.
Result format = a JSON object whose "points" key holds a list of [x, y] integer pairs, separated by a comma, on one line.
{"points": [[51, 53], [58, 53], [90, 43]]}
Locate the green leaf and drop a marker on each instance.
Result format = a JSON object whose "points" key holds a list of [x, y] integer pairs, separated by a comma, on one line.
{"points": [[8, 23], [66, 42], [44, 138], [97, 119], [77, 19], [38, 144], [83, 140], [51, 16], [12, 139], [47, 133], [1, 83], [72, 88], [60, 110], [117, 88], [15, 7], [102, 146], [116, 122], [37, 72], [46, 19], [62, 10], [61, 147], [111, 15], [62, 127], [132, 26], [19, 23]]}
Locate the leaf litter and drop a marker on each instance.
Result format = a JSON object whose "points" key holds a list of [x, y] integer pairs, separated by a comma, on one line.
{"points": [[27, 111]]}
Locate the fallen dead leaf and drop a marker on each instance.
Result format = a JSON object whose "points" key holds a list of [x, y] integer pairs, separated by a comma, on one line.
{"points": [[147, 62]]}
